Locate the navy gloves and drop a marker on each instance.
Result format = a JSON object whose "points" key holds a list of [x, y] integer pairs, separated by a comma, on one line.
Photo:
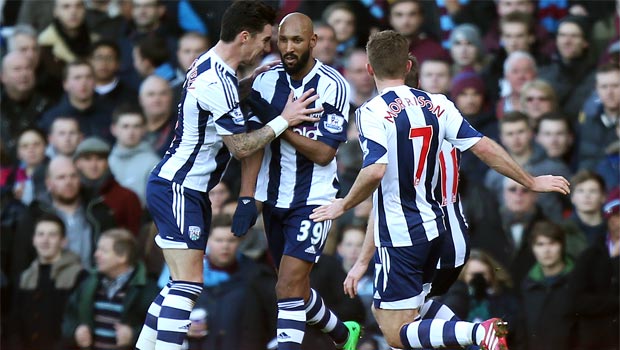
{"points": [[245, 216]]}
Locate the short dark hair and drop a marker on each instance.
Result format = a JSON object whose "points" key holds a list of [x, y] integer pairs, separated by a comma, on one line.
{"points": [[33, 129], [221, 220], [587, 175], [154, 49], [545, 228], [49, 217], [417, 2], [608, 67], [251, 16], [555, 117], [124, 244], [106, 43], [514, 117], [76, 63], [127, 108], [519, 17], [388, 53]]}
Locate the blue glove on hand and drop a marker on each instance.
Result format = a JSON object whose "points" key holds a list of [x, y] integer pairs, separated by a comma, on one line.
{"points": [[245, 216]]}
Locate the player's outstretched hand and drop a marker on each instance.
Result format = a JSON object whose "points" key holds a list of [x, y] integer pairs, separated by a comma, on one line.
{"points": [[328, 211], [550, 183], [353, 279], [296, 112], [245, 216]]}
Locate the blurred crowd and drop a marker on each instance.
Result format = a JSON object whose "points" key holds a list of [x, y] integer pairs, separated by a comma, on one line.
{"points": [[88, 107]]}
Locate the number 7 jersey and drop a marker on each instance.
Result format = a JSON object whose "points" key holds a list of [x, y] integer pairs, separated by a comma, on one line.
{"points": [[405, 128]]}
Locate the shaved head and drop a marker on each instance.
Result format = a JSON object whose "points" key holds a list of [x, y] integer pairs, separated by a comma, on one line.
{"points": [[296, 39]]}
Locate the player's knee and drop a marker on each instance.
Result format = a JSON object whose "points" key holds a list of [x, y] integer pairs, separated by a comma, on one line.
{"points": [[392, 337]]}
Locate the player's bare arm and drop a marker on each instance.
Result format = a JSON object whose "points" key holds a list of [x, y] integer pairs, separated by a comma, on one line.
{"points": [[497, 158], [361, 264], [317, 151], [294, 113], [365, 184]]}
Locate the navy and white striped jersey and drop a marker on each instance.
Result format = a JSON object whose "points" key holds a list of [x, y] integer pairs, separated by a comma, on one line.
{"points": [[209, 108], [287, 179], [456, 240], [405, 128]]}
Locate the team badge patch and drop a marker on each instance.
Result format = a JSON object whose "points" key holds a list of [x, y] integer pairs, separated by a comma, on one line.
{"points": [[334, 123], [194, 232], [237, 116]]}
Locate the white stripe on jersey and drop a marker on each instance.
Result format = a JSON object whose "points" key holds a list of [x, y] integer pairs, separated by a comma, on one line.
{"points": [[209, 108], [449, 170], [404, 128], [301, 182]]}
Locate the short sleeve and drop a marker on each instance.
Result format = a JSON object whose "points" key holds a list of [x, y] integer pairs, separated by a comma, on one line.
{"points": [[373, 137], [218, 95], [458, 131], [335, 119]]}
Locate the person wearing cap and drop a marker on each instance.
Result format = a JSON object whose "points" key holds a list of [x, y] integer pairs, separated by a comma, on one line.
{"points": [[91, 159], [469, 96], [595, 285]]}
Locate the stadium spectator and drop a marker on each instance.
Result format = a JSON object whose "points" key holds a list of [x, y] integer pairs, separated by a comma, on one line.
{"points": [[362, 85], [191, 45], [407, 17], [554, 133], [151, 57], [105, 58], [108, 307], [91, 160], [84, 218], [517, 137], [131, 159], [537, 97], [238, 296], [469, 96], [466, 49], [44, 288], [519, 212], [587, 197], [484, 290], [342, 17], [546, 299], [29, 178], [24, 39], [435, 75], [326, 45], [21, 105], [597, 128], [81, 102], [155, 98], [572, 72], [519, 68], [505, 7], [67, 38], [595, 283], [64, 136]]}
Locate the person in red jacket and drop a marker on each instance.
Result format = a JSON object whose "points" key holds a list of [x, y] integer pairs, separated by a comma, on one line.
{"points": [[91, 159]]}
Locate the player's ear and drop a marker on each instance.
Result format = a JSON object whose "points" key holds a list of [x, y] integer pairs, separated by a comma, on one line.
{"points": [[313, 40], [370, 70]]}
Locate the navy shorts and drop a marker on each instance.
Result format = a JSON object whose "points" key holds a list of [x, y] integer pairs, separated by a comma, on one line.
{"points": [[182, 215], [403, 275], [291, 232]]}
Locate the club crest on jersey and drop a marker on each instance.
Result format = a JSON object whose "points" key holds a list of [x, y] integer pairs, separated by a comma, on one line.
{"points": [[334, 123], [194, 233]]}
